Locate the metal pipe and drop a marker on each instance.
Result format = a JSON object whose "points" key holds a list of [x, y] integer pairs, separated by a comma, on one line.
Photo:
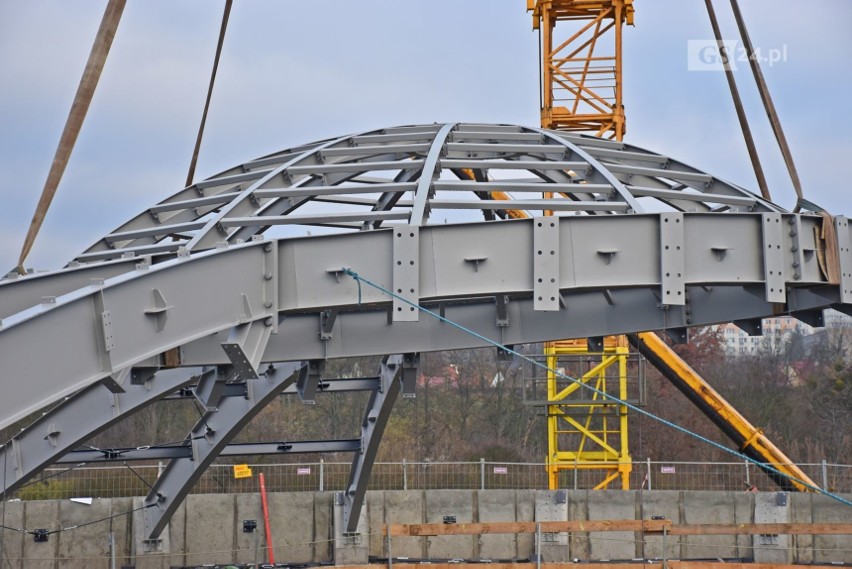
{"points": [[269, 548]]}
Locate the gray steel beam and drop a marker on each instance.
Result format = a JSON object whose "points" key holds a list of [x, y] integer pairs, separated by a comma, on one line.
{"points": [[557, 204], [82, 416], [376, 416], [600, 174], [463, 135], [586, 313], [420, 213], [18, 293], [208, 438], [365, 166], [373, 149], [342, 189], [98, 330], [517, 186], [640, 191], [186, 452]]}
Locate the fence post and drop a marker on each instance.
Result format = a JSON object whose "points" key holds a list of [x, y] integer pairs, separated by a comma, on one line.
{"points": [[575, 473], [111, 550], [322, 475], [748, 474], [390, 554], [538, 545], [482, 474], [648, 462], [824, 475], [404, 475]]}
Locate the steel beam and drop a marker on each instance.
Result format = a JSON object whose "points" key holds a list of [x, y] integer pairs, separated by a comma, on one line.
{"points": [[84, 415], [392, 372], [185, 451], [207, 440], [97, 330]]}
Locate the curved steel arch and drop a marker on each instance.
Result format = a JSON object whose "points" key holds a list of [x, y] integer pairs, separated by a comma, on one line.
{"points": [[639, 242]]}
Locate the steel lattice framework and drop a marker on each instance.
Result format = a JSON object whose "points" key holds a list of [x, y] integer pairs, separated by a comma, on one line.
{"points": [[216, 292]]}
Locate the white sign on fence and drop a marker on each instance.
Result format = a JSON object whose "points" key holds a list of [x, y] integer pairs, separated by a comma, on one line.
{"points": [[667, 469], [501, 470], [303, 471]]}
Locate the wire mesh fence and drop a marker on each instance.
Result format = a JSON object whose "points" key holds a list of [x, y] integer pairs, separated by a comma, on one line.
{"points": [[120, 481]]}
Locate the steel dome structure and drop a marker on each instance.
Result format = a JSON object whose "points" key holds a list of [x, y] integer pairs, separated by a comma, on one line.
{"points": [[237, 289], [409, 174]]}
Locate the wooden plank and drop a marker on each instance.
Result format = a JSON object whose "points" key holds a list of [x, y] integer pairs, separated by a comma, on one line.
{"points": [[647, 526], [627, 565], [417, 530], [735, 565], [608, 565], [761, 529]]}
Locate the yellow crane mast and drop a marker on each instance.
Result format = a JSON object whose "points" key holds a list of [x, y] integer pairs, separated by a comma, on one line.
{"points": [[581, 87], [581, 90]]}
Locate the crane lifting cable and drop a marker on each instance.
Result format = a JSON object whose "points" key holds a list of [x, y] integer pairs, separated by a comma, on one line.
{"points": [[225, 16], [76, 116], [754, 63], [738, 104]]}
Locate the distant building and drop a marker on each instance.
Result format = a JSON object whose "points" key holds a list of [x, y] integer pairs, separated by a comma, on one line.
{"points": [[777, 332]]}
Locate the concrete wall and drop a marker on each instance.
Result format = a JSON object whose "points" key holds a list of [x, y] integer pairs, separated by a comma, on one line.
{"points": [[209, 528]]}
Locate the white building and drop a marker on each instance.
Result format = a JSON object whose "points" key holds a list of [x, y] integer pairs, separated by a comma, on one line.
{"points": [[776, 333]]}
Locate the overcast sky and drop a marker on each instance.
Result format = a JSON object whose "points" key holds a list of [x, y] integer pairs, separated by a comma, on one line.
{"points": [[293, 72]]}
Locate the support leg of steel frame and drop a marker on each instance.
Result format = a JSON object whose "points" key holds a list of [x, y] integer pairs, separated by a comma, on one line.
{"points": [[393, 372], [84, 415], [208, 437]]}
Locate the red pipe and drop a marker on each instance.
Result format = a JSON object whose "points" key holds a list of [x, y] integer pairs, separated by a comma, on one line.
{"points": [[266, 520]]}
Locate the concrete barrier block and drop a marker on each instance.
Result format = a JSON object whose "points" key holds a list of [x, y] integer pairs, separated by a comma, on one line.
{"points": [[41, 514], [291, 516], [579, 546], [458, 503], [87, 545], [405, 507], [612, 505], [151, 554], [12, 542], [743, 514], [801, 504], [350, 548], [323, 527], [121, 527], [176, 533], [525, 512], [375, 521], [497, 506], [552, 506], [772, 508], [707, 507], [665, 503], [250, 546], [832, 548], [210, 525]]}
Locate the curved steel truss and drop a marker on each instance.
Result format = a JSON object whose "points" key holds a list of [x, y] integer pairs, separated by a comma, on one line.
{"points": [[218, 293]]}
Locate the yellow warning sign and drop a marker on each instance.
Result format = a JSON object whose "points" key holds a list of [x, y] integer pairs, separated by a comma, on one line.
{"points": [[242, 471]]}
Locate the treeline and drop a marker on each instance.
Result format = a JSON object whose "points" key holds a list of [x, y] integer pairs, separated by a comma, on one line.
{"points": [[472, 404]]}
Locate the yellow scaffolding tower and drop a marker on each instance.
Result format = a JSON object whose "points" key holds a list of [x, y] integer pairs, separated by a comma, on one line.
{"points": [[582, 91], [581, 71], [586, 431]]}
